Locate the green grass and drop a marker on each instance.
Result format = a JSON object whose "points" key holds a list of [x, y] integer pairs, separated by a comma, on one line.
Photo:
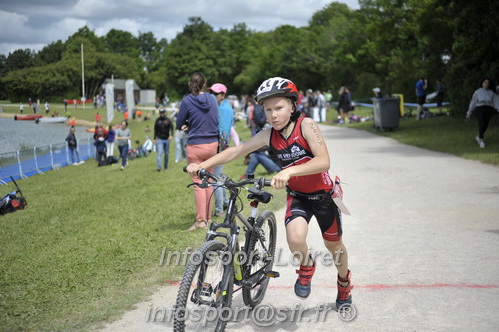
{"points": [[443, 134], [88, 246]]}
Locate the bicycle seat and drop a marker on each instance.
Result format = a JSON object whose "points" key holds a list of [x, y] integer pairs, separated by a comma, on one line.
{"points": [[262, 196]]}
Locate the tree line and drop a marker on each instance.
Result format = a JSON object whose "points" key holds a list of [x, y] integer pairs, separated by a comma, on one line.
{"points": [[385, 43]]}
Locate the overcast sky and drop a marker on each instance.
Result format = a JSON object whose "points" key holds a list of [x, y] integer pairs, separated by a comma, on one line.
{"points": [[34, 24]]}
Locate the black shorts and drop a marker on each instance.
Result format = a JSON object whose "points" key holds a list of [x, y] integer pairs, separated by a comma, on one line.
{"points": [[326, 212], [421, 100]]}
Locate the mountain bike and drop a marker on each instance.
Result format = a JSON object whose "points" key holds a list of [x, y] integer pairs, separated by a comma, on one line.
{"points": [[205, 295]]}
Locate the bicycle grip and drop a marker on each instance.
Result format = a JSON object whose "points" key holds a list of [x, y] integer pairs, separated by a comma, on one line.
{"points": [[184, 169]]}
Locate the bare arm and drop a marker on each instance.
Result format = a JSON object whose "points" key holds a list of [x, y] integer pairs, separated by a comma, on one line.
{"points": [[232, 153], [319, 163]]}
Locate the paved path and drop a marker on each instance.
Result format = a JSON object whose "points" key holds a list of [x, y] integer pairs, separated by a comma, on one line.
{"points": [[423, 242]]}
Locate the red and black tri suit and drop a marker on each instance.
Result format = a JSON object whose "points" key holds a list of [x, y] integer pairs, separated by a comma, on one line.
{"points": [[308, 195]]}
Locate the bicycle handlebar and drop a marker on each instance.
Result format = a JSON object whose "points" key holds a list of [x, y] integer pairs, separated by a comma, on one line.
{"points": [[260, 183]]}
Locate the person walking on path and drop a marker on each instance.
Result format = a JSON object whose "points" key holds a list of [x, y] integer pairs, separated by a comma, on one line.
{"points": [[421, 86], [123, 134], [485, 104], [304, 158], [198, 114], [343, 105], [163, 134]]}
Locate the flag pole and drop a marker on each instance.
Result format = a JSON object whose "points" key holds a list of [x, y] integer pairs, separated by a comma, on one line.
{"points": [[82, 77]]}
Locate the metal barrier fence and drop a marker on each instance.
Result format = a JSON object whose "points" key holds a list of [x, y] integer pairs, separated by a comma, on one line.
{"points": [[27, 162]]}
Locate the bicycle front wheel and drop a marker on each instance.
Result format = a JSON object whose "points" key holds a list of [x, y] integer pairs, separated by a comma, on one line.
{"points": [[261, 252], [200, 298]]}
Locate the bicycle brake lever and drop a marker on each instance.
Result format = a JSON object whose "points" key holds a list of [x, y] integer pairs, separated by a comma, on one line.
{"points": [[203, 184]]}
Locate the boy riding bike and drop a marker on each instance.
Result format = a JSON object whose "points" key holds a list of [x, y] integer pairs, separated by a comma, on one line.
{"points": [[304, 159]]}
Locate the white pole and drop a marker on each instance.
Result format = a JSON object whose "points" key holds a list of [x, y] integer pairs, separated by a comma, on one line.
{"points": [[82, 77]]}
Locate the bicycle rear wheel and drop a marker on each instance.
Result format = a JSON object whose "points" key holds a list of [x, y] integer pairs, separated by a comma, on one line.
{"points": [[200, 299], [260, 253]]}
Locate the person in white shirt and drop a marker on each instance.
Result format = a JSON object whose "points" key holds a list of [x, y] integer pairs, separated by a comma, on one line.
{"points": [[485, 104]]}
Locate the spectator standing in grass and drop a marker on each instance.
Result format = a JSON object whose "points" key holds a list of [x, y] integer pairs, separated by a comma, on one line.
{"points": [[485, 104], [440, 95], [163, 134], [198, 115], [110, 141], [47, 107], [225, 122], [100, 136], [421, 86], [123, 134], [73, 147], [21, 108]]}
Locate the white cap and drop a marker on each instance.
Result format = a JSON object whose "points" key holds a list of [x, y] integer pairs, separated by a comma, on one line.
{"points": [[377, 90]]}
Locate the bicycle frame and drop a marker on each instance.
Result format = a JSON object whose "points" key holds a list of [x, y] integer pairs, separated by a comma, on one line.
{"points": [[232, 237]]}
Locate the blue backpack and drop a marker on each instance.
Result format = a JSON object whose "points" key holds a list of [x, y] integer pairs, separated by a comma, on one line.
{"points": [[259, 116]]}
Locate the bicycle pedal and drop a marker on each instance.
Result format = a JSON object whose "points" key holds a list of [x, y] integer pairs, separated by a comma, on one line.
{"points": [[272, 274]]}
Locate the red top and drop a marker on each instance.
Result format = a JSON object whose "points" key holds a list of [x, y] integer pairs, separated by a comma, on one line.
{"points": [[296, 151]]}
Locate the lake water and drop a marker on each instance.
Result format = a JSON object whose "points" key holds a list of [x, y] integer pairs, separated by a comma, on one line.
{"points": [[16, 135]]}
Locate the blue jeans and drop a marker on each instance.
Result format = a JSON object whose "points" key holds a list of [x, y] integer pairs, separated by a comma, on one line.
{"points": [[123, 153], [258, 157], [71, 154], [180, 144], [221, 196], [162, 147]]}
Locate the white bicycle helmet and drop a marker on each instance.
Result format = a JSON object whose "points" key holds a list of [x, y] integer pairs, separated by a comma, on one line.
{"points": [[276, 87]]}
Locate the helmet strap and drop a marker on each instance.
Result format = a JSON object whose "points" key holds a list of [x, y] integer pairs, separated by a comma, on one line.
{"points": [[289, 122]]}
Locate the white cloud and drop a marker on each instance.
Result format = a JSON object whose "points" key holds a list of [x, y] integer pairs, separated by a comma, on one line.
{"points": [[40, 23]]}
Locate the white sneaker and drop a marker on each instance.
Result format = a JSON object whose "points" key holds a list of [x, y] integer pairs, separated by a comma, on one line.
{"points": [[480, 142]]}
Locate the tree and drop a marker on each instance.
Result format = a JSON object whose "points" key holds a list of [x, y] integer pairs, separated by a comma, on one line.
{"points": [[474, 51], [194, 49], [122, 42], [20, 59], [50, 53]]}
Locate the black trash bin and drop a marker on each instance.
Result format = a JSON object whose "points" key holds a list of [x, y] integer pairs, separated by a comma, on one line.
{"points": [[386, 113]]}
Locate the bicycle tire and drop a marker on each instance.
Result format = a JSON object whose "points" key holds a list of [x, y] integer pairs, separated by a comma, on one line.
{"points": [[198, 270], [266, 221]]}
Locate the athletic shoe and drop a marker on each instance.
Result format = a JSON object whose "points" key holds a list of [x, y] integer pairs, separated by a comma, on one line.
{"points": [[344, 297], [81, 162], [304, 281], [480, 142], [122, 168], [158, 169]]}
